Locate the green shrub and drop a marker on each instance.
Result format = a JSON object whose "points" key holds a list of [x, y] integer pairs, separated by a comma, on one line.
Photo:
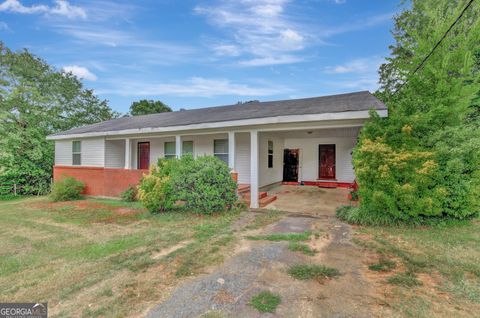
{"points": [[130, 195], [203, 185], [67, 189], [155, 190], [265, 301]]}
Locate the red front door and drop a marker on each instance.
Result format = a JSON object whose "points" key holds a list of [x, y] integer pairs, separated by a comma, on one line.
{"points": [[143, 155], [326, 168]]}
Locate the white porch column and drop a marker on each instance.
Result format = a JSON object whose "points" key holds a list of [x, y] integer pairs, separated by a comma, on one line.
{"points": [[254, 169], [178, 146], [128, 153], [231, 150]]}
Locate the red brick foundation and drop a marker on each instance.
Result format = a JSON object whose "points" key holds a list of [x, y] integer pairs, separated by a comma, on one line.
{"points": [[100, 181]]}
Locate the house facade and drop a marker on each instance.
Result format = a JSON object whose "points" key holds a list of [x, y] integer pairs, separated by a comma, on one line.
{"points": [[305, 141]]}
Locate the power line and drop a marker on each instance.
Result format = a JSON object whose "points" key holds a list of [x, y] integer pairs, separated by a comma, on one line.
{"points": [[435, 47]]}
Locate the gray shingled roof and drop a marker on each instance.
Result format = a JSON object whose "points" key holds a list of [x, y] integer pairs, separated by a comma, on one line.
{"points": [[315, 105]]}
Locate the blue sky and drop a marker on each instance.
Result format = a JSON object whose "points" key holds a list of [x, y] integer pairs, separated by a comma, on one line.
{"points": [[192, 54]]}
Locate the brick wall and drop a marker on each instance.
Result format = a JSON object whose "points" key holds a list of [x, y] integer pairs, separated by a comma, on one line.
{"points": [[100, 181]]}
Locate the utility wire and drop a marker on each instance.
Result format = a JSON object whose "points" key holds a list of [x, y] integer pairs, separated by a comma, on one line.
{"points": [[434, 48]]}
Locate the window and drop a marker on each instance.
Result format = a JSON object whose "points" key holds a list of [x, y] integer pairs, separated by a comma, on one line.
{"points": [[170, 149], [187, 147], [220, 149], [76, 153], [270, 154]]}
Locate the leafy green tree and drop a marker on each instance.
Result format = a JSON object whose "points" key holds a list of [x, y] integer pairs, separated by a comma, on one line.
{"points": [[37, 100], [145, 107], [422, 161]]}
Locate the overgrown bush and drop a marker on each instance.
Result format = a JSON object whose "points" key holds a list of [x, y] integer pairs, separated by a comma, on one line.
{"points": [[420, 164], [130, 195], [203, 185], [67, 189], [155, 190]]}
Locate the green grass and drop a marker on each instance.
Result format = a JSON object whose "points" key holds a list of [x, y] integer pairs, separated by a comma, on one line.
{"points": [[265, 301], [383, 265], [264, 219], [449, 253], [407, 279], [306, 272], [91, 249], [303, 248], [290, 237]]}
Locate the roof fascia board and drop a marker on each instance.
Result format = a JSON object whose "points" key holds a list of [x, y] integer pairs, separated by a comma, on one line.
{"points": [[293, 119]]}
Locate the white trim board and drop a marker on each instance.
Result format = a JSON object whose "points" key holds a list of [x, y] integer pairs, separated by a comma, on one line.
{"points": [[295, 119]]}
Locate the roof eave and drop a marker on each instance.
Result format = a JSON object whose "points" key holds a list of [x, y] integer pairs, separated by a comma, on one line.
{"points": [[363, 114]]}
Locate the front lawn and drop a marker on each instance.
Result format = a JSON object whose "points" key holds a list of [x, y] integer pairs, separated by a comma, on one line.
{"points": [[426, 271], [102, 257]]}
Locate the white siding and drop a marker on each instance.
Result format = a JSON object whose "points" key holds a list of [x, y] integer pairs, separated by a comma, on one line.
{"points": [[93, 152], [115, 153], [242, 160], [202, 146], [344, 140], [275, 174], [63, 152]]}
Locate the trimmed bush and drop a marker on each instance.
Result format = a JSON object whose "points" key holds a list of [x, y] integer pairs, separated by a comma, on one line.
{"points": [[67, 189], [130, 195], [202, 185]]}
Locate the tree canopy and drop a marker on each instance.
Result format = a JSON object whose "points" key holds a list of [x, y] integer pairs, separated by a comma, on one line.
{"points": [[145, 107], [37, 100], [422, 161]]}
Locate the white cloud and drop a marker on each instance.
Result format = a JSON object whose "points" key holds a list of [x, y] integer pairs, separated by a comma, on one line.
{"points": [[259, 29], [360, 65], [270, 60], [61, 8], [340, 1], [80, 71], [226, 49], [195, 86]]}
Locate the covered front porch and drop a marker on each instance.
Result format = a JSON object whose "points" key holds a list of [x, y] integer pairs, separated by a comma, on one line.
{"points": [[261, 158]]}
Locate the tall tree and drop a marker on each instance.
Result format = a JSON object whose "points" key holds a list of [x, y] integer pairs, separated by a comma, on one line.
{"points": [[145, 107], [422, 161], [35, 101]]}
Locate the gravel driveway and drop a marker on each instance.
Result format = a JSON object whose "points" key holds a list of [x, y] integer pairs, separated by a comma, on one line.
{"points": [[261, 265]]}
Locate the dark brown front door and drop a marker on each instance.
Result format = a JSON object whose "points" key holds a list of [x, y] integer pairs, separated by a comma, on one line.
{"points": [[290, 165], [143, 155], [326, 168]]}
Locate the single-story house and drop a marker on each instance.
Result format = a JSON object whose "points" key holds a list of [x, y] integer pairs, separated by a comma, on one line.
{"points": [[307, 140]]}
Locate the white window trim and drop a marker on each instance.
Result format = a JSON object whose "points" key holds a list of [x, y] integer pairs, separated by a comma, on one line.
{"points": [[170, 155], [77, 153], [193, 146], [221, 153]]}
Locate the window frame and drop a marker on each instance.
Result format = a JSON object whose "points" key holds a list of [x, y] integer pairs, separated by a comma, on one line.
{"points": [[78, 153], [270, 154], [169, 155], [183, 147], [218, 154]]}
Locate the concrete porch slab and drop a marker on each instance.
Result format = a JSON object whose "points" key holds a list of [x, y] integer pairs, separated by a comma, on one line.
{"points": [[308, 199]]}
